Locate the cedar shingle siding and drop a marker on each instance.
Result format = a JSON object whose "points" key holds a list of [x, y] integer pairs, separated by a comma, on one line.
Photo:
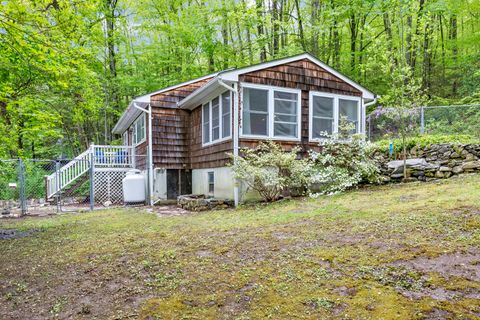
{"points": [[177, 134]]}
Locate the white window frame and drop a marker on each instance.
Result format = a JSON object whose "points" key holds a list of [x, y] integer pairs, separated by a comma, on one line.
{"points": [[212, 173], [125, 138], [220, 121], [271, 112], [336, 112], [135, 123]]}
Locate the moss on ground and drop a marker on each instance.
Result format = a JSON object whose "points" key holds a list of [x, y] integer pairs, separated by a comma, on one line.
{"points": [[347, 256]]}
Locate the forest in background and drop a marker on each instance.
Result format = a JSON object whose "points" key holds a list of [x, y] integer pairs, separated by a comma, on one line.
{"points": [[69, 68]]}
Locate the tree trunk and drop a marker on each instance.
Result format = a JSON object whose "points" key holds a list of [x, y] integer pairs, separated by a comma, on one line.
{"points": [[300, 25], [260, 30], [113, 103], [353, 40], [313, 23], [453, 39]]}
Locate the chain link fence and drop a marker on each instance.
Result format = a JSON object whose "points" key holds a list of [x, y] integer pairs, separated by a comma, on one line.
{"points": [[433, 120], [43, 187]]}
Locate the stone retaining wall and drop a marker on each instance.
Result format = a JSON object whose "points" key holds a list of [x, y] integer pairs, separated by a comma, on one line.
{"points": [[192, 202], [437, 161]]}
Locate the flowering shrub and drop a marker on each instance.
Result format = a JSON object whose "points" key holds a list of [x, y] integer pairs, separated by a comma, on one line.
{"points": [[269, 170], [342, 164]]}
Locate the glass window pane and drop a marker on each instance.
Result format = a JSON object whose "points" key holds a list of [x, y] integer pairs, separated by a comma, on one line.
{"points": [[255, 124], [206, 123], [255, 99], [215, 119], [283, 106], [255, 111], [322, 107], [226, 121], [285, 95], [285, 118], [285, 130], [321, 127], [349, 109], [285, 109]]}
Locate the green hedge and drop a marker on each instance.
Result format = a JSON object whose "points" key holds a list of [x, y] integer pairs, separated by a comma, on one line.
{"points": [[425, 140]]}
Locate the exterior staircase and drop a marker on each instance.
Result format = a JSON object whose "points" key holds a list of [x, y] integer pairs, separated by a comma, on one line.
{"points": [[99, 158]]}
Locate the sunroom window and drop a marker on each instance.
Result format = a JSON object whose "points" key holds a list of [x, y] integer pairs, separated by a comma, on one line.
{"points": [[327, 109], [255, 112], [226, 120], [139, 133], [271, 112], [285, 114], [216, 119], [206, 123], [349, 110], [322, 116]]}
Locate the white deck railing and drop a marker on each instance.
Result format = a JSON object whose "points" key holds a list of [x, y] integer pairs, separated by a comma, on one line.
{"points": [[113, 156], [101, 156]]}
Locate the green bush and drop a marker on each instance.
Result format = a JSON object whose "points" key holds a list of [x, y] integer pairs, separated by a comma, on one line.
{"points": [[423, 141], [270, 170], [342, 164]]}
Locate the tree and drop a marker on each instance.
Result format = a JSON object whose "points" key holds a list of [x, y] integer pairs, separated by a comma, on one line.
{"points": [[402, 104]]}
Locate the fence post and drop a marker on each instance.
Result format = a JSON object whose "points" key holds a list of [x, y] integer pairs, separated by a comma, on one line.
{"points": [[58, 185], [21, 181], [92, 178], [422, 120], [369, 127]]}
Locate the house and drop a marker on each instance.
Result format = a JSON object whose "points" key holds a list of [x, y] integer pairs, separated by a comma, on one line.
{"points": [[186, 131]]}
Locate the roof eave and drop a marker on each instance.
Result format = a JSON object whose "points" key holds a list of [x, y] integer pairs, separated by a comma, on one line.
{"points": [[202, 94]]}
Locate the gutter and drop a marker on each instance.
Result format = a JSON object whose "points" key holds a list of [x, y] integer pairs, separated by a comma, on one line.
{"points": [[368, 104], [150, 149], [365, 105]]}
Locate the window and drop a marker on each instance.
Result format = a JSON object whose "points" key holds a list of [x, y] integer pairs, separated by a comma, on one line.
{"points": [[323, 119], [226, 120], [271, 112], [255, 112], [125, 138], [285, 114], [326, 110], [206, 123], [211, 182], [216, 119], [349, 109], [139, 133]]}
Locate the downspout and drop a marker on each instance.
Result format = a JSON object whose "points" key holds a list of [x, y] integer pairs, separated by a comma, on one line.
{"points": [[234, 89], [150, 150], [365, 105]]}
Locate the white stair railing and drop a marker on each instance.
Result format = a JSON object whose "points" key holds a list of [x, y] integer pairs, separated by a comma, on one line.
{"points": [[68, 173], [102, 156]]}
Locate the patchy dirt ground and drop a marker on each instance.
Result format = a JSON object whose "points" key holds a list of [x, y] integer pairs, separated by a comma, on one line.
{"points": [[398, 252]]}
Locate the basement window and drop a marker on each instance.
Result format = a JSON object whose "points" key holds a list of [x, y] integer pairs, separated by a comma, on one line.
{"points": [[211, 182]]}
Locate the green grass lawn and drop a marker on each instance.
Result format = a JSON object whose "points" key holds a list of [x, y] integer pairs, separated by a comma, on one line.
{"points": [[407, 251]]}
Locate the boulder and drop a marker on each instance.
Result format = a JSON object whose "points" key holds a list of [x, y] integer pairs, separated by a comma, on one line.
{"points": [[455, 155], [445, 169], [457, 169], [439, 174], [471, 165], [470, 157]]}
